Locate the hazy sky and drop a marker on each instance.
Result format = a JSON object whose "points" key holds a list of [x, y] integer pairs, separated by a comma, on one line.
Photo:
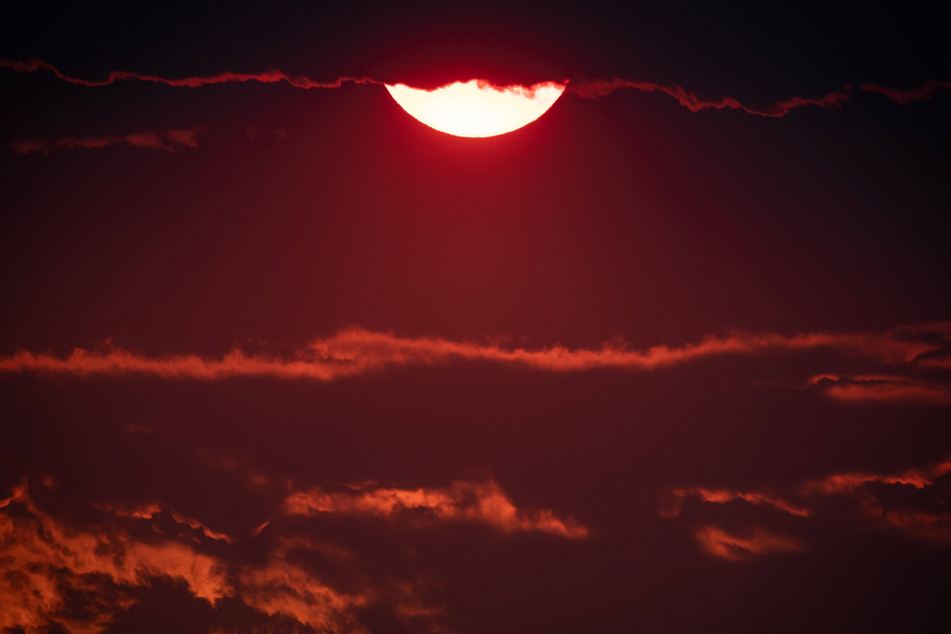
{"points": [[276, 357]]}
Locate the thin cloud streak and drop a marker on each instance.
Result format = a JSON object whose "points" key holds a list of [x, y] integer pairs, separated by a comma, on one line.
{"points": [[883, 389], [474, 502], [271, 76], [724, 545], [167, 140], [597, 88], [356, 351], [588, 89]]}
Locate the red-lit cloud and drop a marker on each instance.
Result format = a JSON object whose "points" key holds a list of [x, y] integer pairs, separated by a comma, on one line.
{"points": [[808, 500], [720, 543], [722, 496], [355, 351], [883, 389], [462, 501], [168, 140], [121, 551]]}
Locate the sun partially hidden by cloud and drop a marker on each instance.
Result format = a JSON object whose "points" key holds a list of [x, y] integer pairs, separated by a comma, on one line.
{"points": [[477, 108]]}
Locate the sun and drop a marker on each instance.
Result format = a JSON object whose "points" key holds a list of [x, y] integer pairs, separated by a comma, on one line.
{"points": [[477, 108]]}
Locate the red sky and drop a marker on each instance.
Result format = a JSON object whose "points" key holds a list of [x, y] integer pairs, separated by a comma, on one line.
{"points": [[274, 356]]}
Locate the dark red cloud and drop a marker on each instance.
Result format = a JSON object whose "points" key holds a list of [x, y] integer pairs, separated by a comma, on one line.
{"points": [[907, 95], [885, 389], [585, 88], [167, 140], [596, 88], [267, 77]]}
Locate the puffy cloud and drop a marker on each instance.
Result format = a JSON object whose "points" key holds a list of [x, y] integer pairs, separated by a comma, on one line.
{"points": [[84, 574]]}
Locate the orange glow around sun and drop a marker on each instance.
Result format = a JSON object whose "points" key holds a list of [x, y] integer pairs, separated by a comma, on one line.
{"points": [[476, 108]]}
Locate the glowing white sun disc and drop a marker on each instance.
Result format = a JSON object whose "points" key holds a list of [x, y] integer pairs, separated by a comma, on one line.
{"points": [[476, 108]]}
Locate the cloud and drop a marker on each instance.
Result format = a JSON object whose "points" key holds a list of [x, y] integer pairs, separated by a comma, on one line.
{"points": [[720, 543], [585, 88], [52, 566], [907, 95], [722, 496], [462, 501], [356, 351], [168, 140], [883, 389], [860, 489], [597, 88], [267, 77], [117, 554]]}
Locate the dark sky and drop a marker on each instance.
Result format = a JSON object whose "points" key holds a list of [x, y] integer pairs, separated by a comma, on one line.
{"points": [[675, 357]]}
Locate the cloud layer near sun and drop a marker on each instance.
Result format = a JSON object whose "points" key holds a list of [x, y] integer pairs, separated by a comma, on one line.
{"points": [[355, 351], [585, 88], [594, 89]]}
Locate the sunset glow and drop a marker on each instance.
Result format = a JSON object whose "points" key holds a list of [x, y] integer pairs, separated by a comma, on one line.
{"points": [[475, 108]]}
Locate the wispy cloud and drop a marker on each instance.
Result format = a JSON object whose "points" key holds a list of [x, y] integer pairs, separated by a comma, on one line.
{"points": [[356, 351], [907, 95], [167, 140], [883, 389], [481, 502], [270, 76], [859, 490], [585, 88], [597, 88], [736, 547]]}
